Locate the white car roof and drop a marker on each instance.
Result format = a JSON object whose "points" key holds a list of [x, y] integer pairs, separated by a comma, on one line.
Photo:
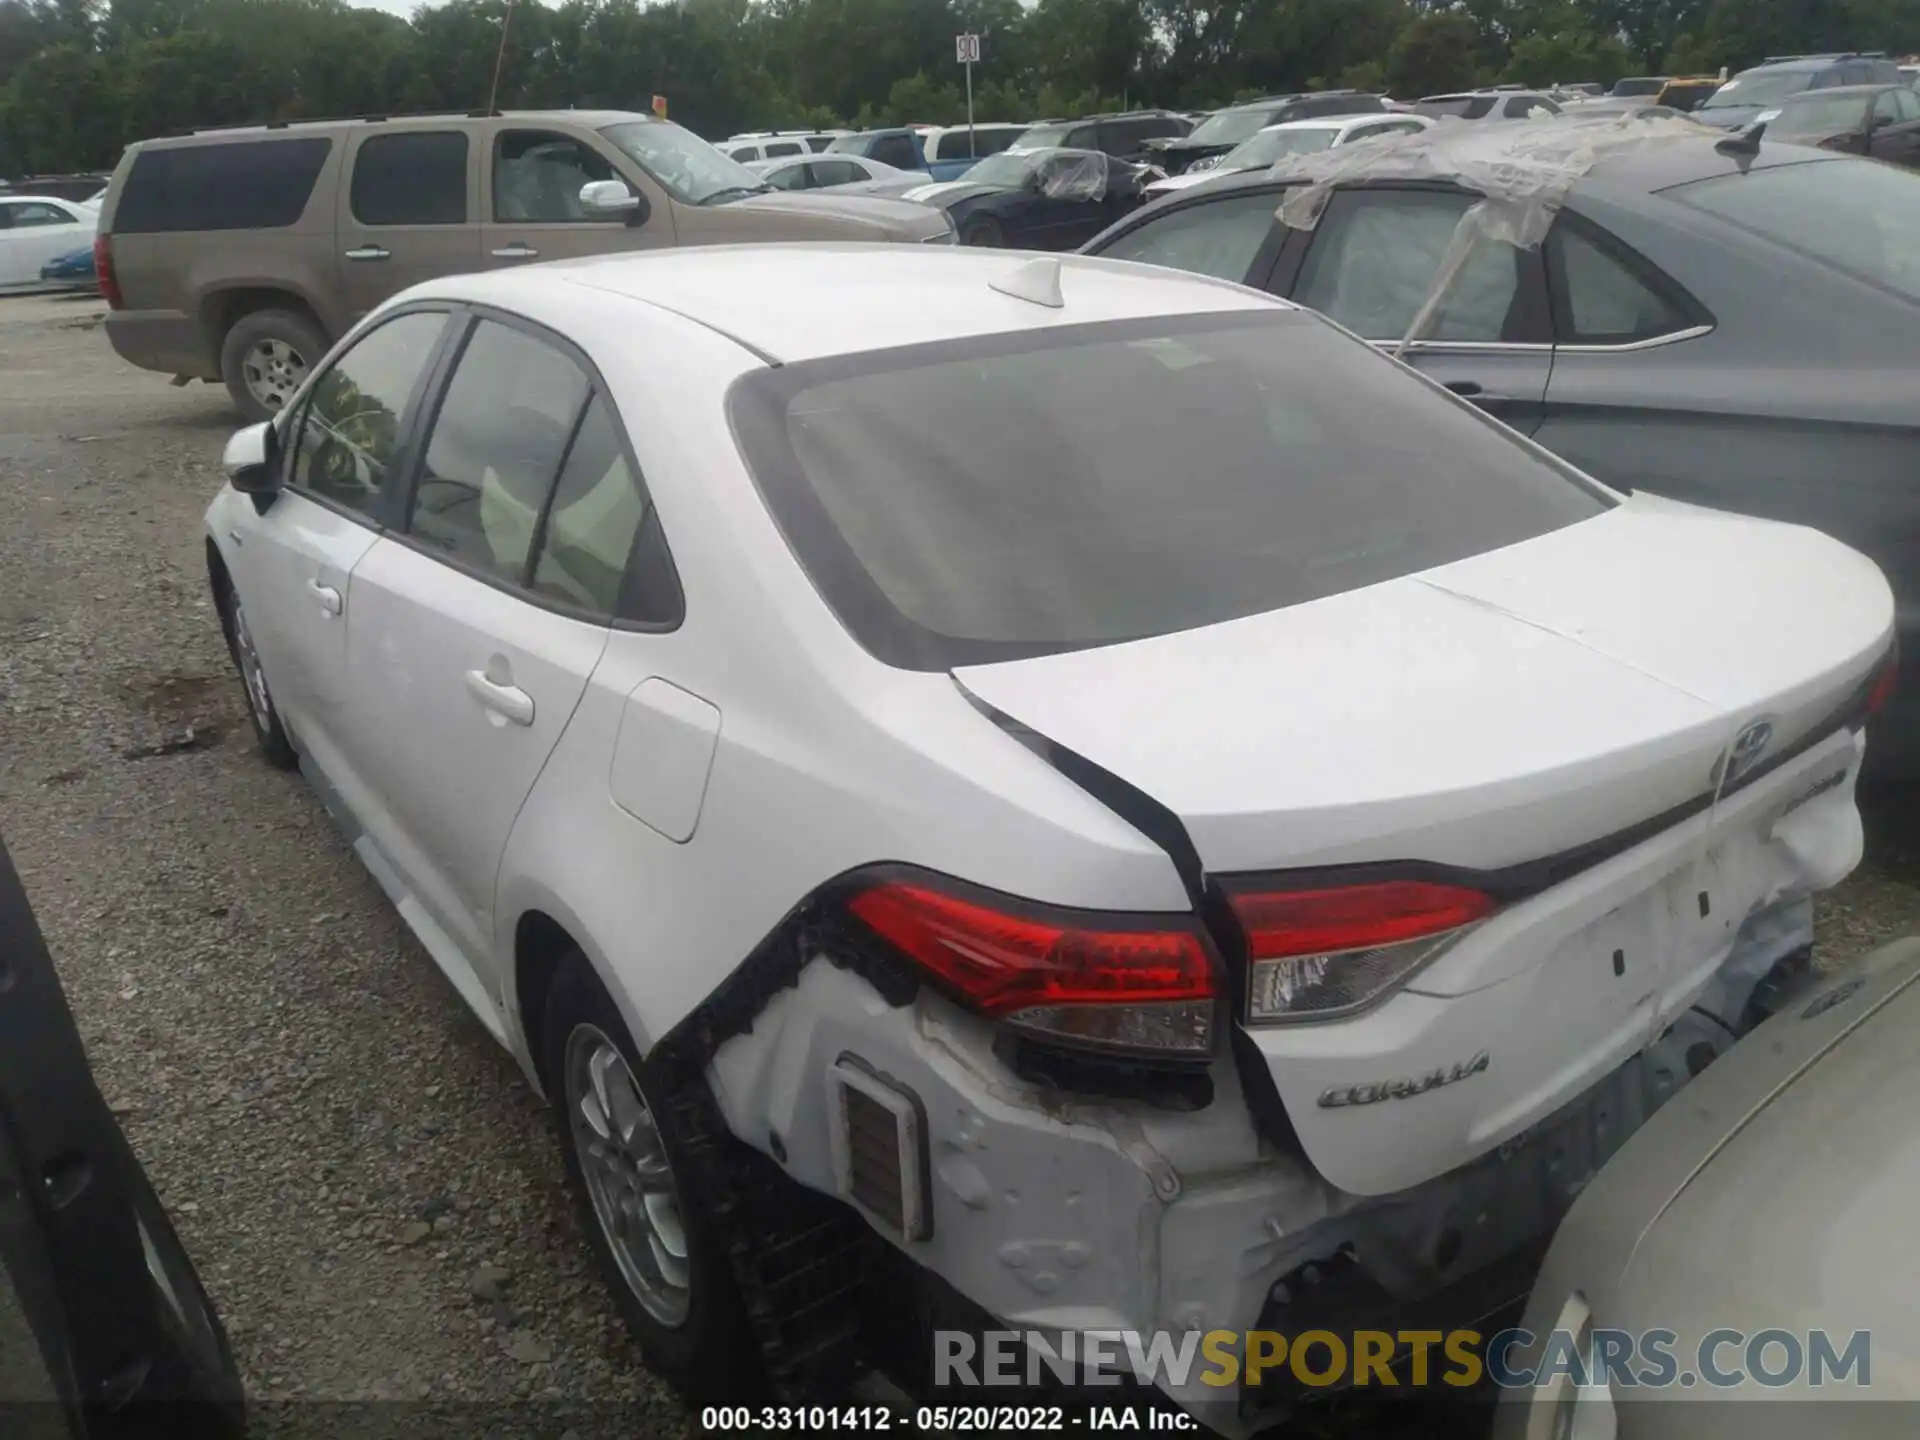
{"points": [[1336, 122], [801, 302]]}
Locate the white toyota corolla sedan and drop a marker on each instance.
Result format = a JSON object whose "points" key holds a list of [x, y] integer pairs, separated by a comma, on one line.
{"points": [[1081, 781]]}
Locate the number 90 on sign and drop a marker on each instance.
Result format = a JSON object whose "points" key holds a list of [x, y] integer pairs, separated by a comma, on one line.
{"points": [[966, 49]]}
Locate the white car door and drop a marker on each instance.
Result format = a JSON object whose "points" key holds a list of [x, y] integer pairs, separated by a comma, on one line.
{"points": [[465, 658], [35, 231], [291, 562]]}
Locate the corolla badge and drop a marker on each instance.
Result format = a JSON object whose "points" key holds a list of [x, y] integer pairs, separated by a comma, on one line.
{"points": [[1338, 1097], [1743, 754], [1834, 998]]}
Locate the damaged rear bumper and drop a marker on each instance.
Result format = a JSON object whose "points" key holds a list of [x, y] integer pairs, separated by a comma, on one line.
{"points": [[1063, 1214]]}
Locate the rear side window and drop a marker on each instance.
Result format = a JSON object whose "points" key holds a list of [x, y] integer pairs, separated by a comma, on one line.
{"points": [[1035, 504], [241, 185], [595, 517], [1858, 216], [1602, 297], [782, 148], [411, 179], [834, 172], [509, 411]]}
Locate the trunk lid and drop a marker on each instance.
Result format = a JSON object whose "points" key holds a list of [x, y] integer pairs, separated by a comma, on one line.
{"points": [[1503, 708]]}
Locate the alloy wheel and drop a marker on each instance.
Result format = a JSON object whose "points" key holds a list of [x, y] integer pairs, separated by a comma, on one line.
{"points": [[628, 1176]]}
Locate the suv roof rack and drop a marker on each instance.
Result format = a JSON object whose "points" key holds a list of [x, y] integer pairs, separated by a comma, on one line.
{"points": [[339, 120], [1827, 55]]}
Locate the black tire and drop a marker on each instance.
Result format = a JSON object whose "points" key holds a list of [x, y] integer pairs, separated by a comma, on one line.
{"points": [[268, 731], [707, 1356], [284, 328], [983, 230]]}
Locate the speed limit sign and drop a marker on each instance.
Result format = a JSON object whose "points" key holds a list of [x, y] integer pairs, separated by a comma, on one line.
{"points": [[966, 49]]}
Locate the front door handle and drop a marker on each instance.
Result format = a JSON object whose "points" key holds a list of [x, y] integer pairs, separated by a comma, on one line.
{"points": [[328, 597], [509, 702], [1466, 389], [369, 252], [519, 250]]}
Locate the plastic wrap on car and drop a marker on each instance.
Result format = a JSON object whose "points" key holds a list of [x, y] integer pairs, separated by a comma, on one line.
{"points": [[1075, 175], [1523, 172]]}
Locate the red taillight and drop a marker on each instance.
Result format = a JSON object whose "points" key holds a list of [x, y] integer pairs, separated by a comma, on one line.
{"points": [[103, 270], [1138, 989], [1316, 953], [1884, 682]]}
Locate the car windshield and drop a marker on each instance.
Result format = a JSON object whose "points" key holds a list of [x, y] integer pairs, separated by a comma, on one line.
{"points": [[1820, 114], [1013, 495], [1043, 137], [1856, 215], [1765, 87], [1638, 85], [1230, 127], [1007, 171], [689, 168], [1272, 145]]}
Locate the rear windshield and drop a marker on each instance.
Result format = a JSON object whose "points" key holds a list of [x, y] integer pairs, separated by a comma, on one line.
{"points": [[1758, 87], [1856, 215], [1820, 115], [995, 498], [1463, 107], [1230, 127], [243, 185]]}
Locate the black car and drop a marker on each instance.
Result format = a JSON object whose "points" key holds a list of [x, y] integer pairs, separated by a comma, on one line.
{"points": [[105, 1331], [1224, 129], [1128, 135], [1037, 199], [1708, 320], [1878, 120]]}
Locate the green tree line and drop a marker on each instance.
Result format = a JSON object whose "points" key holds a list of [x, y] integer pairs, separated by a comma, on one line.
{"points": [[80, 79]]}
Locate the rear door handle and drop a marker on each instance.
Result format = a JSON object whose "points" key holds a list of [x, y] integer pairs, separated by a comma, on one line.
{"points": [[328, 597], [509, 702], [516, 251], [368, 252], [1466, 389]]}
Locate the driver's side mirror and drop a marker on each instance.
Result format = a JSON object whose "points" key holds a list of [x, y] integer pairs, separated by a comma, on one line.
{"points": [[249, 459], [610, 199]]}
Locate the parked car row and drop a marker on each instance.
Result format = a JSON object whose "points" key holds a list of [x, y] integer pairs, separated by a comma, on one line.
{"points": [[36, 230]]}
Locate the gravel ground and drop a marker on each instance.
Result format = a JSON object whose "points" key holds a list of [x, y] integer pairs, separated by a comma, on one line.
{"points": [[343, 1147]]}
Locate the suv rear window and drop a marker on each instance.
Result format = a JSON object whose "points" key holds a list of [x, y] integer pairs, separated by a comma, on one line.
{"points": [[239, 185], [1015, 495], [1858, 216]]}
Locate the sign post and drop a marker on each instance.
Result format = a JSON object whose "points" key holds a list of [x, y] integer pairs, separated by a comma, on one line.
{"points": [[966, 49]]}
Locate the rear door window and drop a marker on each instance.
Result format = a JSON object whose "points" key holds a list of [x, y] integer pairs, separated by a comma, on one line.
{"points": [[411, 179], [836, 172], [781, 148], [496, 445], [1374, 258], [1197, 469], [239, 185]]}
